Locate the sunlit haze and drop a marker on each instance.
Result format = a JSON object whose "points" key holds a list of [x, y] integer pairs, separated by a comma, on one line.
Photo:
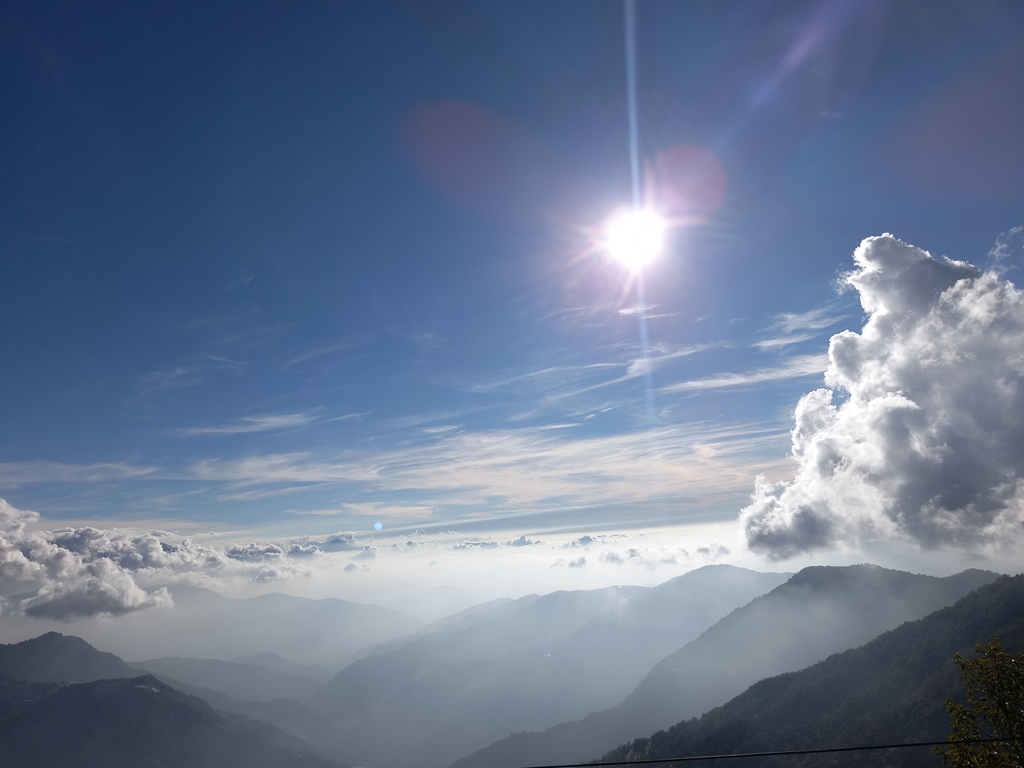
{"points": [[359, 301]]}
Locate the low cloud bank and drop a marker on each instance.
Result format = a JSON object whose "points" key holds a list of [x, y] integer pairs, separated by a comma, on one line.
{"points": [[919, 434], [74, 572], [62, 575]]}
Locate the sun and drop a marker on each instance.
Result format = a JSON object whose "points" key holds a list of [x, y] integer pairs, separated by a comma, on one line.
{"points": [[635, 237]]}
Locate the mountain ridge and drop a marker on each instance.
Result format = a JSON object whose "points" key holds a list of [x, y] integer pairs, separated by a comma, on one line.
{"points": [[796, 624], [247, 682], [127, 722], [894, 688], [207, 625], [547, 659]]}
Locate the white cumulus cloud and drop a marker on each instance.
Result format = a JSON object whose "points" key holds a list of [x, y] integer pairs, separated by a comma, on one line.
{"points": [[72, 572], [919, 434], [55, 577]]}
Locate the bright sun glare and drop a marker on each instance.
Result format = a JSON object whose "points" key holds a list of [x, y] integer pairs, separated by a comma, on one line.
{"points": [[635, 237]]}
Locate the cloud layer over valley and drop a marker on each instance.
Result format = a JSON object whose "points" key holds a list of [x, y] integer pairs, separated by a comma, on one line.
{"points": [[72, 572], [67, 574]]}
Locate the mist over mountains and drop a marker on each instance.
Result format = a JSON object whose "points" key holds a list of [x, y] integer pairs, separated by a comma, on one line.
{"points": [[250, 682], [818, 612], [527, 663], [204, 624], [623, 662]]}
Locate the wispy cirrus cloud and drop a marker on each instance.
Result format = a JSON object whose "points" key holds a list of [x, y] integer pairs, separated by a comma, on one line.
{"points": [[195, 371], [260, 493], [244, 277], [370, 509], [637, 309], [590, 315], [553, 384], [552, 375], [527, 469], [576, 314], [299, 467], [645, 311], [796, 327], [783, 341], [795, 368], [14, 474], [311, 353], [641, 366], [376, 509], [814, 320], [317, 512], [427, 339], [563, 381], [241, 328], [250, 424], [1006, 245], [179, 376], [350, 416]]}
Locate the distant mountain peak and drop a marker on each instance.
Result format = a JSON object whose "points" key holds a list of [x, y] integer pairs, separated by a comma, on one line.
{"points": [[54, 657], [136, 721]]}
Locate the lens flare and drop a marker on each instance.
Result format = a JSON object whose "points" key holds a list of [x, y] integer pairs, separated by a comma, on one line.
{"points": [[635, 238]]}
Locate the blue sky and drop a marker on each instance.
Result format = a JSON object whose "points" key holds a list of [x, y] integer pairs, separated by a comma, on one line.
{"points": [[291, 269]]}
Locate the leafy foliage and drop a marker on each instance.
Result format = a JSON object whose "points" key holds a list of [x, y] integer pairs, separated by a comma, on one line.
{"points": [[994, 709]]}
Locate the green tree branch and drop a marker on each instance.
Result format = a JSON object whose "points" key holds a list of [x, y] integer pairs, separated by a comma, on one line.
{"points": [[993, 709]]}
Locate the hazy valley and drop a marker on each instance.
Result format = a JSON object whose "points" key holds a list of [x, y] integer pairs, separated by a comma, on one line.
{"points": [[556, 678]]}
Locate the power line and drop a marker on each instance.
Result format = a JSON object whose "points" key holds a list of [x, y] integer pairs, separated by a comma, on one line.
{"points": [[778, 753]]}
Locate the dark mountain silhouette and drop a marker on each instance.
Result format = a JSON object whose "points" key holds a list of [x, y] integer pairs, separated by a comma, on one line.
{"points": [[289, 715], [890, 690], [54, 657], [57, 658], [248, 682], [16, 694], [133, 722], [527, 663], [818, 612]]}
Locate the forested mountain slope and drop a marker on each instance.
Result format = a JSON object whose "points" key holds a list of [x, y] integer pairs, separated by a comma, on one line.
{"points": [[130, 722], [890, 690], [57, 658], [54, 657]]}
